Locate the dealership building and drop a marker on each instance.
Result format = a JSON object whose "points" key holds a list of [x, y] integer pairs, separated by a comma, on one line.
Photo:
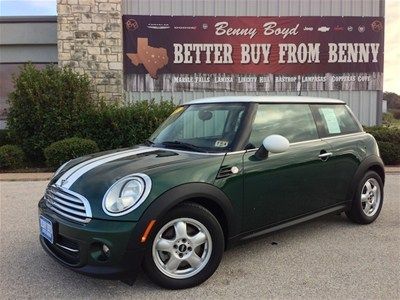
{"points": [[182, 50]]}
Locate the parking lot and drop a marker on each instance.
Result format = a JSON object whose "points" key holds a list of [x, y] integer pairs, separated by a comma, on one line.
{"points": [[325, 258]]}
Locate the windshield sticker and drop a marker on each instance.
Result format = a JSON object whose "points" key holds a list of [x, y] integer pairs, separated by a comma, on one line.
{"points": [[331, 120], [178, 110], [221, 144]]}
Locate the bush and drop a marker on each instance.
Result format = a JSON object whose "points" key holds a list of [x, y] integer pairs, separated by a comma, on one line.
{"points": [[59, 152], [47, 105], [388, 139], [385, 134], [395, 113], [11, 157], [114, 126], [6, 137], [390, 152]]}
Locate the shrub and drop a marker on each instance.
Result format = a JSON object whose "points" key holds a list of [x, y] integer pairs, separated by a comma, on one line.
{"points": [[114, 126], [61, 151], [47, 105], [388, 118], [11, 157], [6, 137], [395, 113], [388, 139], [385, 134], [390, 152]]}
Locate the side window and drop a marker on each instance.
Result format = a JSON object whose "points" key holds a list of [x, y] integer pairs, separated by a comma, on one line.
{"points": [[336, 120], [293, 121]]}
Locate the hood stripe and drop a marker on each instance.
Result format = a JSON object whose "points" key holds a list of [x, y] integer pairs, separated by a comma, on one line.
{"points": [[69, 178], [69, 172]]}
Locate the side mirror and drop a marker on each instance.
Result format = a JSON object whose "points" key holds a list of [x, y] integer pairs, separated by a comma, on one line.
{"points": [[274, 143]]}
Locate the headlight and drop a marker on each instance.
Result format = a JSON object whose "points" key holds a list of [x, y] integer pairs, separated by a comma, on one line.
{"points": [[126, 194]]}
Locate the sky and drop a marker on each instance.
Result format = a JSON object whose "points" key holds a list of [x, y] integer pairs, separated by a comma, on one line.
{"points": [[392, 32]]}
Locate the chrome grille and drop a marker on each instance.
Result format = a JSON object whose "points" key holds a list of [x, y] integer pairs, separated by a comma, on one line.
{"points": [[68, 204]]}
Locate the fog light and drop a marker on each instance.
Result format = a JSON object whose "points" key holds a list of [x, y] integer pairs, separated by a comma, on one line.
{"points": [[106, 250]]}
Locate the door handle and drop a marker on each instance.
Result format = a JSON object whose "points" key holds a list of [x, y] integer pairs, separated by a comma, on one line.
{"points": [[324, 156]]}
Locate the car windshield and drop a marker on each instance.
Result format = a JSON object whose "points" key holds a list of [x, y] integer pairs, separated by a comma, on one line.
{"points": [[200, 127]]}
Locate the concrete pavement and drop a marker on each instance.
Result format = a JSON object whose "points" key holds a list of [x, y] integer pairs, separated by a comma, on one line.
{"points": [[325, 258]]}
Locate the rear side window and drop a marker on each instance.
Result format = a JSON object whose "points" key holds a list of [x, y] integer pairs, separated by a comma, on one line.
{"points": [[293, 121], [335, 120]]}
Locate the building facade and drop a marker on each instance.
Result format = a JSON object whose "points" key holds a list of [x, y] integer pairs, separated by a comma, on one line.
{"points": [[91, 33], [22, 40]]}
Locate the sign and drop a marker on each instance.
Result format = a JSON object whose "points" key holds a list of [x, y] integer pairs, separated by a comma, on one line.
{"points": [[184, 53]]}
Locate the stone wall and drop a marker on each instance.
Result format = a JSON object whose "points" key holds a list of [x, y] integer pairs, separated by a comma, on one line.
{"points": [[90, 41]]}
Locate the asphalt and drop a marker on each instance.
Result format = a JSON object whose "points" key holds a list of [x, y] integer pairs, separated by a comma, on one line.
{"points": [[325, 258]]}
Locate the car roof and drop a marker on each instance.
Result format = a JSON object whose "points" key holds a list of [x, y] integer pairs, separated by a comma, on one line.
{"points": [[266, 99]]}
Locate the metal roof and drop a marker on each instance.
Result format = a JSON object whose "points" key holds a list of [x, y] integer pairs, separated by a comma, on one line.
{"points": [[266, 99]]}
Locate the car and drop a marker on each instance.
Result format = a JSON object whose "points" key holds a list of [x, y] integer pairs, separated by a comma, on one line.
{"points": [[217, 172]]}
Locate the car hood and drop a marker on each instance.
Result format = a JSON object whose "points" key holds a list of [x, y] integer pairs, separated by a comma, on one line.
{"points": [[91, 176]]}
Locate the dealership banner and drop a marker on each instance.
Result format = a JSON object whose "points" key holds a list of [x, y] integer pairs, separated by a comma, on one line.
{"points": [[185, 53]]}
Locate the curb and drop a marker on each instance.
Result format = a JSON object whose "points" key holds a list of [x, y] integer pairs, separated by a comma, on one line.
{"points": [[25, 176]]}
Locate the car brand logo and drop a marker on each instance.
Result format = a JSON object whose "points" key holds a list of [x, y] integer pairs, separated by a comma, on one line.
{"points": [[158, 26], [350, 28], [338, 28], [308, 28], [377, 26], [131, 25], [361, 28], [324, 29]]}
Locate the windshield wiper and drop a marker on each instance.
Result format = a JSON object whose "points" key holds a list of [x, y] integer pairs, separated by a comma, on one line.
{"points": [[148, 143], [183, 145]]}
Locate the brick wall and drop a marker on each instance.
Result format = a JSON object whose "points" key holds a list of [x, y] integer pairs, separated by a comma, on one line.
{"points": [[90, 41]]}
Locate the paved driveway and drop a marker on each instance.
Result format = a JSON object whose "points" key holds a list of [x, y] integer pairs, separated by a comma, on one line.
{"points": [[329, 257]]}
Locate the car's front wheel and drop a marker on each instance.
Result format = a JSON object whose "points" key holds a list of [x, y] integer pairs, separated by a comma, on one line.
{"points": [[368, 199], [185, 249]]}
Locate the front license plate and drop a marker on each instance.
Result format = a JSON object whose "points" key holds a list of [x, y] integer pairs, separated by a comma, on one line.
{"points": [[46, 229]]}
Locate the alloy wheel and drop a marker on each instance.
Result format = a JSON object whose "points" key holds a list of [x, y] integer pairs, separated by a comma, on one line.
{"points": [[182, 248], [370, 197]]}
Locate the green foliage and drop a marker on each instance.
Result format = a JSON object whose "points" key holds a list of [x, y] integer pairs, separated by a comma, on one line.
{"points": [[390, 152], [11, 157], [385, 134], [396, 113], [114, 126], [388, 118], [47, 105], [393, 100], [388, 139], [59, 152], [6, 137]]}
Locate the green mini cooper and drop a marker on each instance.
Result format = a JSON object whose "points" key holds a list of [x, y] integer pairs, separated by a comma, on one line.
{"points": [[217, 171]]}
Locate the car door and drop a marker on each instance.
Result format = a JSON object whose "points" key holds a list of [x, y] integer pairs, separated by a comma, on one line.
{"points": [[289, 184], [339, 128]]}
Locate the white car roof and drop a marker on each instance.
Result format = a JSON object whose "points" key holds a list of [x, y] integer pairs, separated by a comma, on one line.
{"points": [[266, 99]]}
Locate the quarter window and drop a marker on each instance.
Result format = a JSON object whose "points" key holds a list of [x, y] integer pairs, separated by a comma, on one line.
{"points": [[293, 121], [336, 120]]}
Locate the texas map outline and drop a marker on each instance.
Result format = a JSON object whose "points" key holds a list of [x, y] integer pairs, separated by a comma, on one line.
{"points": [[152, 58]]}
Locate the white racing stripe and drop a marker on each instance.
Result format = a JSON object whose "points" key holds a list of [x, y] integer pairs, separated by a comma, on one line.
{"points": [[73, 174], [84, 163]]}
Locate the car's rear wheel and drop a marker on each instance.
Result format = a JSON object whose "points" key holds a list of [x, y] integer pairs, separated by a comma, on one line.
{"points": [[368, 199], [185, 249]]}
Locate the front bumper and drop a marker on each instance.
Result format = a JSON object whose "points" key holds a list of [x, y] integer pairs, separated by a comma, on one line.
{"points": [[79, 246]]}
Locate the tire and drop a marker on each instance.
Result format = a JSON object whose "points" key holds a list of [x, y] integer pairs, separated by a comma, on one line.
{"points": [[369, 193], [185, 234]]}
